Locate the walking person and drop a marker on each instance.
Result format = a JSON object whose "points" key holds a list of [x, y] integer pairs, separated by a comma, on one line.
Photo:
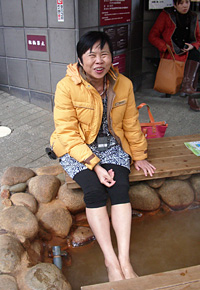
{"points": [[178, 27], [97, 136]]}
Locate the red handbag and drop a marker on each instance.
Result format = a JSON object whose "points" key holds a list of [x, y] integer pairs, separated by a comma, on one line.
{"points": [[152, 129]]}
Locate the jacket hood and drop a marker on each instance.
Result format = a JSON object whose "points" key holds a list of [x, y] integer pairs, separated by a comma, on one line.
{"points": [[73, 72]]}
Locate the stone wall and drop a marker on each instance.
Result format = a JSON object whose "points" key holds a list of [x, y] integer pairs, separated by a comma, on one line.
{"points": [[40, 211]]}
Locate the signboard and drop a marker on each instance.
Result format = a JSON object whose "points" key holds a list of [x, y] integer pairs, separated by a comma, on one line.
{"points": [[114, 12], [120, 62], [36, 42], [160, 4], [118, 36], [60, 10]]}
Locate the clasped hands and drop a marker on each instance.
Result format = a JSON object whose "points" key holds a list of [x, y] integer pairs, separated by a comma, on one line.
{"points": [[107, 177]]}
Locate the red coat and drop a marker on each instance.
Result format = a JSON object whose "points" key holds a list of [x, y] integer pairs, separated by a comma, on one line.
{"points": [[163, 29]]}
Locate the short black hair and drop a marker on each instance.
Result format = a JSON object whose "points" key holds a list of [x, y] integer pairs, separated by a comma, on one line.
{"points": [[177, 2], [89, 39]]}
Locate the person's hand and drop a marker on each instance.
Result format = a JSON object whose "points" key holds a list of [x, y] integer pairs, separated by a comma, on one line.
{"points": [[105, 177], [190, 46], [147, 167]]}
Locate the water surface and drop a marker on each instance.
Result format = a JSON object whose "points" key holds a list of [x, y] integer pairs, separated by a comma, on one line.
{"points": [[159, 243]]}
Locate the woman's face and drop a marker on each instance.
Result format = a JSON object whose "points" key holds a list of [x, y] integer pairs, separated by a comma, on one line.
{"points": [[183, 7], [96, 61]]}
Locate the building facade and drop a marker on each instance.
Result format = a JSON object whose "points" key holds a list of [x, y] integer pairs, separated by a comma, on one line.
{"points": [[38, 39]]}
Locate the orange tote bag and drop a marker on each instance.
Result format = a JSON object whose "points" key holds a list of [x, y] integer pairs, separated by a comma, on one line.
{"points": [[169, 75]]}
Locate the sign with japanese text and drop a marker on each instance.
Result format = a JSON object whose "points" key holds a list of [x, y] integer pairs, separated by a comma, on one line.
{"points": [[60, 10], [119, 61], [36, 42], [118, 35], [114, 12], [160, 4]]}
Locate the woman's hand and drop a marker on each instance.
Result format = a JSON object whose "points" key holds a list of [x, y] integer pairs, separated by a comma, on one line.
{"points": [[190, 46], [105, 177], [147, 167]]}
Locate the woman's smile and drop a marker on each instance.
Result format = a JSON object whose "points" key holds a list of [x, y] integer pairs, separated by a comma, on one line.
{"points": [[99, 70]]}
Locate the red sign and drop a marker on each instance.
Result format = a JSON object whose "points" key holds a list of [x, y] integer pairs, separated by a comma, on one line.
{"points": [[114, 12], [59, 1], [119, 61], [36, 42]]}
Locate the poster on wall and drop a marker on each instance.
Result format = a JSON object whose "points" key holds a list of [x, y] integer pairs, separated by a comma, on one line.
{"points": [[160, 4], [114, 12], [119, 61], [60, 10], [118, 36]]}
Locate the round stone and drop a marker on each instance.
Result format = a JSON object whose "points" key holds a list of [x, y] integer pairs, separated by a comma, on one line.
{"points": [[10, 252], [45, 276], [8, 282]]}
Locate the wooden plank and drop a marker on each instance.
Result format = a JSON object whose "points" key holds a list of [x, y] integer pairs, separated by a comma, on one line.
{"points": [[161, 175], [169, 152], [194, 285], [70, 182], [171, 166], [173, 142], [185, 278], [183, 138], [171, 162]]}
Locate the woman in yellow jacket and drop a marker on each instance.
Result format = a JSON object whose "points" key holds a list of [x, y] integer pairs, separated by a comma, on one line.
{"points": [[97, 136]]}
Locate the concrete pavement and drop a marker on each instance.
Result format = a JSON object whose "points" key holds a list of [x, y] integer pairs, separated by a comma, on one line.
{"points": [[31, 128]]}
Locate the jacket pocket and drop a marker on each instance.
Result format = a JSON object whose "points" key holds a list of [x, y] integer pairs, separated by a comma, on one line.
{"points": [[84, 112], [83, 105], [120, 103]]}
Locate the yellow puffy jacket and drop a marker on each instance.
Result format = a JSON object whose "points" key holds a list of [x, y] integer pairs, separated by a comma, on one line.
{"points": [[78, 114]]}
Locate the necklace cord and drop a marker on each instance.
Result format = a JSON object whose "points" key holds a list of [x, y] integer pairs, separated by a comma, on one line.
{"points": [[105, 87]]}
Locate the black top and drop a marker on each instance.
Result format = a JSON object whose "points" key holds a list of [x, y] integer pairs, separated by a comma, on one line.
{"points": [[182, 32]]}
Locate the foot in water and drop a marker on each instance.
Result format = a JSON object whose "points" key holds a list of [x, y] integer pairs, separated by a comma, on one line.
{"points": [[115, 273], [128, 271]]}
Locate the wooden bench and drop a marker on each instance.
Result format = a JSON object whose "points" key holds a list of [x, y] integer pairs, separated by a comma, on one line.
{"points": [[181, 279], [169, 155]]}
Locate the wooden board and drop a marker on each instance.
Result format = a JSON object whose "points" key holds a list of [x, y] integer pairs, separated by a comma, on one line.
{"points": [[181, 279], [170, 157]]}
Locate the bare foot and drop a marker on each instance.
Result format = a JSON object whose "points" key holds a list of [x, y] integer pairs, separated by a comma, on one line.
{"points": [[128, 271], [114, 273]]}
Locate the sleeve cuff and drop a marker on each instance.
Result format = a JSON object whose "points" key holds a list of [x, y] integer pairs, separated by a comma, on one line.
{"points": [[91, 161]]}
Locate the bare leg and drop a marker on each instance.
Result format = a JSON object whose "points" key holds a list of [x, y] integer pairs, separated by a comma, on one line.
{"points": [[121, 215], [99, 222]]}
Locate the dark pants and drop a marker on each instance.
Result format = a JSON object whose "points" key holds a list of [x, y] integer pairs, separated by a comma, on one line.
{"points": [[194, 54], [96, 194]]}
